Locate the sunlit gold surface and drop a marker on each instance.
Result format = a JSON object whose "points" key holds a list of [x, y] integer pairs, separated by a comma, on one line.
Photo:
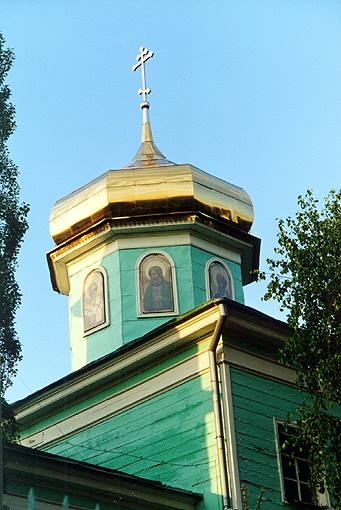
{"points": [[148, 154], [135, 192]]}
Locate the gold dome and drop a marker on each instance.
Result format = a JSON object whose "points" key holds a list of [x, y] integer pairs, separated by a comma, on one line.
{"points": [[150, 186], [146, 191]]}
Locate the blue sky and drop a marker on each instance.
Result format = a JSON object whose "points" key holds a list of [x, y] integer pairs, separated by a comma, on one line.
{"points": [[247, 90]]}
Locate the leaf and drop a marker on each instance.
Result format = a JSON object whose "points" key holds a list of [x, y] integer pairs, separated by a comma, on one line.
{"points": [[305, 279]]}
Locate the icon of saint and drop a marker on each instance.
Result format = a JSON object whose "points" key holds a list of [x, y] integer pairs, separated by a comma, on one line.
{"points": [[158, 295], [93, 306], [222, 290]]}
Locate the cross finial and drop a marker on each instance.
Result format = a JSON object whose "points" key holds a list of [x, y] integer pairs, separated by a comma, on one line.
{"points": [[141, 58]]}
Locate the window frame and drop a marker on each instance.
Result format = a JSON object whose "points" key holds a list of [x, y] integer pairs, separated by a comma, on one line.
{"points": [[322, 500]]}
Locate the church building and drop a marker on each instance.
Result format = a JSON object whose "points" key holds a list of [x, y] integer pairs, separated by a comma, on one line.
{"points": [[176, 398]]}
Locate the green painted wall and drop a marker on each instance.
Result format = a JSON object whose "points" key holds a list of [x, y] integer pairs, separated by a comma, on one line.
{"points": [[125, 325], [105, 340], [169, 438], [256, 402]]}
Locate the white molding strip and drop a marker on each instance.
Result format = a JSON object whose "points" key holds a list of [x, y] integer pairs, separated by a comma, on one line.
{"points": [[257, 364]]}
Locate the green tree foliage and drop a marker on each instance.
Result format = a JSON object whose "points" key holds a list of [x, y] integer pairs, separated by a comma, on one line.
{"points": [[305, 278], [13, 226]]}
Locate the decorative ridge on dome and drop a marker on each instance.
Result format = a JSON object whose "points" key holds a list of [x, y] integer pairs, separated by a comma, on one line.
{"points": [[148, 153]]}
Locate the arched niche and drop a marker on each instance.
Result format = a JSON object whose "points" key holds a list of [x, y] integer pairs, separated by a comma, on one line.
{"points": [[219, 281], [95, 301], [156, 285]]}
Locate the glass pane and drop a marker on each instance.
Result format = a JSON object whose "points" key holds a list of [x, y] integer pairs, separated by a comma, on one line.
{"points": [[303, 469], [291, 490], [288, 467], [220, 283], [283, 436], [307, 495], [93, 301], [301, 451]]}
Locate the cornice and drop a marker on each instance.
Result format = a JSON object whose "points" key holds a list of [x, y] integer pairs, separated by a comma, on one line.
{"points": [[100, 235]]}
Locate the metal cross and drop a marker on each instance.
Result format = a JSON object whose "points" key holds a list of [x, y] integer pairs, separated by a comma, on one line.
{"points": [[141, 58]]}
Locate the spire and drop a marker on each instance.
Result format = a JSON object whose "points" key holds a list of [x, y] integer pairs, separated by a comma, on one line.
{"points": [[148, 154]]}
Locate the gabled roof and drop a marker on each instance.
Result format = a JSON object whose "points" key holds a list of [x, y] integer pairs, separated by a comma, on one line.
{"points": [[40, 469]]}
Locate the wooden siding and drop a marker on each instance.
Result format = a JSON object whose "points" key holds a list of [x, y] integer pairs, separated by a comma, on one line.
{"points": [[74, 407], [256, 402], [168, 438]]}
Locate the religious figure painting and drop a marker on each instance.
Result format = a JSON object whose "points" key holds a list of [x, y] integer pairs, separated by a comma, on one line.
{"points": [[156, 285], [220, 284], [94, 313]]}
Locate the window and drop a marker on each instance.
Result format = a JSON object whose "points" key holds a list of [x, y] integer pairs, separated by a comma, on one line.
{"points": [[218, 280], [295, 467], [156, 285], [94, 301]]}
